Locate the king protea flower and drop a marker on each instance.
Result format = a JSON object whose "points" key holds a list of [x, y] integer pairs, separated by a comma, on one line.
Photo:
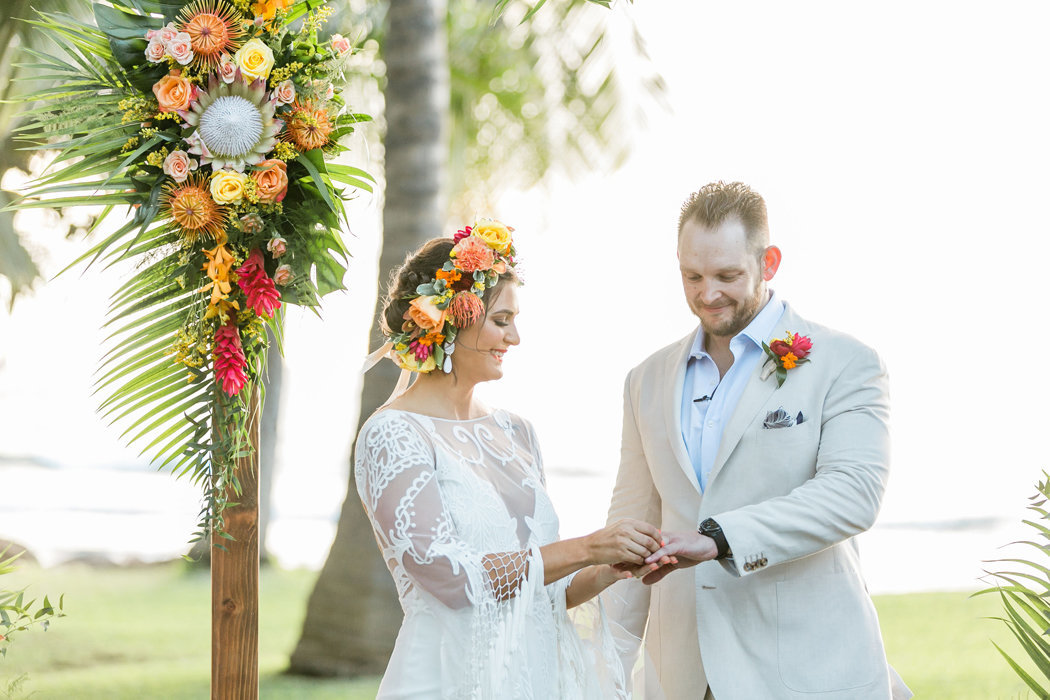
{"points": [[192, 209], [262, 294], [213, 29], [230, 363], [235, 124]]}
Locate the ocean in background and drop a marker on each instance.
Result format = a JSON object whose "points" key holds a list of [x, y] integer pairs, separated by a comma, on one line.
{"points": [[130, 515]]}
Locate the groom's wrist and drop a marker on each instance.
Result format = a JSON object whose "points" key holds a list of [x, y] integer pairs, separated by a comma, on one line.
{"points": [[712, 529]]}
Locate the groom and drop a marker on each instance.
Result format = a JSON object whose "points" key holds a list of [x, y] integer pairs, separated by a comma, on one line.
{"points": [[759, 444]]}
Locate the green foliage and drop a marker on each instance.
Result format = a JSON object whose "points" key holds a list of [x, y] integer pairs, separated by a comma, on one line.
{"points": [[1024, 590], [18, 614]]}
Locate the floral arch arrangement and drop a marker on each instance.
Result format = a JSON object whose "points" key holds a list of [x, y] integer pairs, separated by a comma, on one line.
{"points": [[214, 121]]}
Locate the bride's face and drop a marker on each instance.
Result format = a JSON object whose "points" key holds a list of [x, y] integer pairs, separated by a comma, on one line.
{"points": [[480, 348]]}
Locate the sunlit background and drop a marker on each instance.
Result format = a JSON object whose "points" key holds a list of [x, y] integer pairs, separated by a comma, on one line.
{"points": [[902, 149]]}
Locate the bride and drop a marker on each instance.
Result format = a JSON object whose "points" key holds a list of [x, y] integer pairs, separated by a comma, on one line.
{"points": [[456, 495]]}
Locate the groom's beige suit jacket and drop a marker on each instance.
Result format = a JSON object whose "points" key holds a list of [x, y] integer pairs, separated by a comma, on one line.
{"points": [[788, 616]]}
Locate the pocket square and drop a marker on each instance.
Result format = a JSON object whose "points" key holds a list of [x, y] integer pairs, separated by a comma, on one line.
{"points": [[781, 419]]}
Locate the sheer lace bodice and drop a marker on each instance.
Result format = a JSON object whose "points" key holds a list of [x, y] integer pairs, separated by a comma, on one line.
{"points": [[460, 510]]}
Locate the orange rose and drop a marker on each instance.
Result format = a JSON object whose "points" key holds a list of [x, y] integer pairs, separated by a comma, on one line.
{"points": [[174, 93], [271, 180], [423, 312]]}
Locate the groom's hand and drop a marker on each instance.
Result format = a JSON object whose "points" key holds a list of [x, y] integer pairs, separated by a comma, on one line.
{"points": [[683, 549]]}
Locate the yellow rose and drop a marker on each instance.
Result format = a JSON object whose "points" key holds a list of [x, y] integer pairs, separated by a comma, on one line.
{"points": [[227, 186], [423, 312], [495, 234], [255, 59], [408, 361]]}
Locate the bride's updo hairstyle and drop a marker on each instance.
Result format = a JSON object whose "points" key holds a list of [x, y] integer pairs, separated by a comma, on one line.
{"points": [[418, 268], [442, 288]]}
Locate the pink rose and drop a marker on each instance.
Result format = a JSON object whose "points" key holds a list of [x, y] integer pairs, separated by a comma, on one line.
{"points": [[277, 247], [252, 223], [285, 93], [801, 345], [283, 274], [152, 33], [780, 348], [167, 33], [227, 69], [472, 254], [340, 43], [178, 165], [181, 49], [155, 50]]}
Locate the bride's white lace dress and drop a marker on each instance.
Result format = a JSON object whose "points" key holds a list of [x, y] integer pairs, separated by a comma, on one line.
{"points": [[460, 510]]}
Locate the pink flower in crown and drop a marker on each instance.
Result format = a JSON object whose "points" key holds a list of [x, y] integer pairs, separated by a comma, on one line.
{"points": [[472, 254], [462, 233]]}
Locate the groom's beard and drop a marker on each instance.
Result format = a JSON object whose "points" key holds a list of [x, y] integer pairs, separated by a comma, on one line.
{"points": [[744, 312]]}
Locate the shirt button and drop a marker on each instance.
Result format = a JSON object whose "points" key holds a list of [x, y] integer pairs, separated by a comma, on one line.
{"points": [[710, 424]]}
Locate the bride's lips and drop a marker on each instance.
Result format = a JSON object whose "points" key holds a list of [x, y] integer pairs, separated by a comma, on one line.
{"points": [[498, 354]]}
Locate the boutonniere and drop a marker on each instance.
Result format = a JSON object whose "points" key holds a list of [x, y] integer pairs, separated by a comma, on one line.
{"points": [[786, 353]]}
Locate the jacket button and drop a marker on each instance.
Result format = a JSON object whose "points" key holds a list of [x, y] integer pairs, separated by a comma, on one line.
{"points": [[748, 566], [763, 561]]}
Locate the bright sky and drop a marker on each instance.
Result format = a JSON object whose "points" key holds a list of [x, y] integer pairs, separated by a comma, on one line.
{"points": [[902, 151]]}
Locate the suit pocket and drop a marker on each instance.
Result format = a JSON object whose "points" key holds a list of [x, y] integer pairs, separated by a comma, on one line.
{"points": [[827, 634], [775, 438]]}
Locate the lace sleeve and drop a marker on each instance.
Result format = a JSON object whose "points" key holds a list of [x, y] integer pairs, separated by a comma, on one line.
{"points": [[397, 482]]}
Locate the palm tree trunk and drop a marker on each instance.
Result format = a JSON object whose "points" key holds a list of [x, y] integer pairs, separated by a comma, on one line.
{"points": [[353, 614]]}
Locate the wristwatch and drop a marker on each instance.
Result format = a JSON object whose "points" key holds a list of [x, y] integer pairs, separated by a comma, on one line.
{"points": [[713, 530]]}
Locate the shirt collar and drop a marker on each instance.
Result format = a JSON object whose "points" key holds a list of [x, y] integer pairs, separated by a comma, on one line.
{"points": [[760, 328]]}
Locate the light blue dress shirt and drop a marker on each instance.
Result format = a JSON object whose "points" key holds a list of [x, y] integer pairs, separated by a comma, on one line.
{"points": [[703, 421]]}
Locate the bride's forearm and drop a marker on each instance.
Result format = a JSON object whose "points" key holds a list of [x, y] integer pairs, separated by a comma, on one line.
{"points": [[588, 583], [565, 557]]}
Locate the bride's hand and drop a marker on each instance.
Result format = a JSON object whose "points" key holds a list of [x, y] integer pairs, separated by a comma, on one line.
{"points": [[629, 541]]}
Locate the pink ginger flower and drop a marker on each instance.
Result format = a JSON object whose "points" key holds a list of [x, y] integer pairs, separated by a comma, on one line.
{"points": [[230, 363], [263, 297]]}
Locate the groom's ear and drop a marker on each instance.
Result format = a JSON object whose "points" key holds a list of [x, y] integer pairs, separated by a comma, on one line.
{"points": [[770, 262]]}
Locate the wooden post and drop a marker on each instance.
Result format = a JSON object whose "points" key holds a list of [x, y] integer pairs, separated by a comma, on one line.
{"points": [[235, 583]]}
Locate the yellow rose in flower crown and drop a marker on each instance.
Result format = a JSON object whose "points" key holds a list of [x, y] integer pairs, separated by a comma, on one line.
{"points": [[227, 186], [255, 59], [495, 234], [423, 312], [406, 360]]}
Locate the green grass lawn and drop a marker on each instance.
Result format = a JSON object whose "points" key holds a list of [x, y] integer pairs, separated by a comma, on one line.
{"points": [[144, 633]]}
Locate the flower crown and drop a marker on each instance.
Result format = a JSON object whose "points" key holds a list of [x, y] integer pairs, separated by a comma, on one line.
{"points": [[451, 301]]}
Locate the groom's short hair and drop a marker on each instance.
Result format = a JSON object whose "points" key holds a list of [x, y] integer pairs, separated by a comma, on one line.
{"points": [[717, 201]]}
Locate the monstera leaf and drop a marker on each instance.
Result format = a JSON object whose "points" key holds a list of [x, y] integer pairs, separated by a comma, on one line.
{"points": [[126, 33]]}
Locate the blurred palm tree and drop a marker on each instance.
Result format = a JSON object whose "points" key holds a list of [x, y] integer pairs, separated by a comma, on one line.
{"points": [[474, 103], [16, 263]]}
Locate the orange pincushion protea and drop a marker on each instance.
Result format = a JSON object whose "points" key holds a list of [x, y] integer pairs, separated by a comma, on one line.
{"points": [[212, 28], [308, 126], [193, 210], [465, 309]]}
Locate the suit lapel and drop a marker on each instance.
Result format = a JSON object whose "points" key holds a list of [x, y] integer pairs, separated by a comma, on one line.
{"points": [[674, 374], [756, 394]]}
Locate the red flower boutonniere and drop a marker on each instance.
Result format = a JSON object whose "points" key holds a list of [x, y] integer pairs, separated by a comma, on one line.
{"points": [[784, 354]]}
